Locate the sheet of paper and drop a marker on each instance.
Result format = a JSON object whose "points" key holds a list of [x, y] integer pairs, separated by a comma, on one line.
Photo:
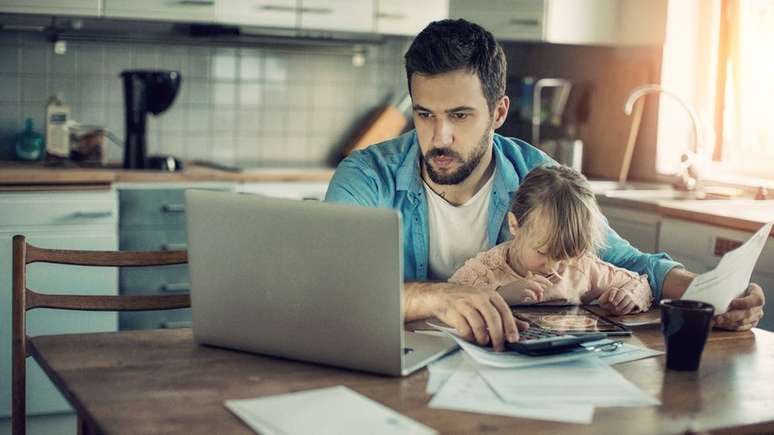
{"points": [[584, 381], [334, 410], [622, 353], [441, 370], [731, 276], [488, 357], [465, 390]]}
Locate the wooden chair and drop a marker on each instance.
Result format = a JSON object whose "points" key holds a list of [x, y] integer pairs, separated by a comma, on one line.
{"points": [[24, 299]]}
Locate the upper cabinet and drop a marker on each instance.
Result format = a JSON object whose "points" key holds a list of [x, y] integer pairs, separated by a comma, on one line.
{"points": [[268, 13], [337, 15], [587, 22], [170, 10], [86, 8], [408, 17]]}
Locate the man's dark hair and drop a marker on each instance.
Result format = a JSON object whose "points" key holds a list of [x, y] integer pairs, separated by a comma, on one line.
{"points": [[449, 45]]}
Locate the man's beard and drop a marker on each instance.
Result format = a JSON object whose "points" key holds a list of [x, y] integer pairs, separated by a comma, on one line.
{"points": [[464, 171]]}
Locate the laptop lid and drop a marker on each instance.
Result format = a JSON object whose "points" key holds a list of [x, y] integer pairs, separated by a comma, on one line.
{"points": [[303, 280]]}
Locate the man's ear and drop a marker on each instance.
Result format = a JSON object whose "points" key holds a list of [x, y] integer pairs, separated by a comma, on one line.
{"points": [[501, 112], [513, 223]]}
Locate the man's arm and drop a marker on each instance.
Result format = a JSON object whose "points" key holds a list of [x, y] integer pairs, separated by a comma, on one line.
{"points": [[477, 314], [743, 313]]}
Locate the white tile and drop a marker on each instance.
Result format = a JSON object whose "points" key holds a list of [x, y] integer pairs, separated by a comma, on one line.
{"points": [[198, 120], [249, 121], [222, 148], [114, 89], [199, 92], [274, 121], [92, 91], [145, 57], [173, 121], [249, 95], [9, 88], [10, 57], [92, 114], [35, 60], [224, 120], [297, 121], [172, 58], [197, 63], [275, 68], [276, 95], [173, 144], [91, 60], [67, 87], [116, 120], [35, 89], [118, 58], [197, 147], [64, 63], [224, 94], [298, 96], [224, 65], [250, 65], [248, 148]]}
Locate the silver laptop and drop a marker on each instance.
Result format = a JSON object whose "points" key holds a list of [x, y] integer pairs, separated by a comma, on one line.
{"points": [[303, 280]]}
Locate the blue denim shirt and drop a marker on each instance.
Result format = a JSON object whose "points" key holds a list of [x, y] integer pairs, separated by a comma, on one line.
{"points": [[387, 175]]}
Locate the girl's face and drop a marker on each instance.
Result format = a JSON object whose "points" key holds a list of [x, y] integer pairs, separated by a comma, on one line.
{"points": [[527, 255]]}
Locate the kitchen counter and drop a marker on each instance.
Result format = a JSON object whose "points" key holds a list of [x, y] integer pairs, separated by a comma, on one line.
{"points": [[20, 176]]}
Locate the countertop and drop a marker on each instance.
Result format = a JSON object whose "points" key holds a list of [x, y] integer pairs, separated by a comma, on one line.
{"points": [[21, 176]]}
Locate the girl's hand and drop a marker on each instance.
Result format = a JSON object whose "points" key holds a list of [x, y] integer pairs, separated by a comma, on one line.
{"points": [[617, 302], [525, 290]]}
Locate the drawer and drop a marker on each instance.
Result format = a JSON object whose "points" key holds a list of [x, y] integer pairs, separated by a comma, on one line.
{"points": [[151, 207], [155, 280], [170, 239], [173, 10], [56, 209], [167, 319]]}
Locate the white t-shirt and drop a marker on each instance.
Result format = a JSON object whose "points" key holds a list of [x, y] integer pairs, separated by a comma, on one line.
{"points": [[456, 233]]}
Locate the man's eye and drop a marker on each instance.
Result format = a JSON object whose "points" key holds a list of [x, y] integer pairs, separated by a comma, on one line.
{"points": [[423, 115], [460, 115]]}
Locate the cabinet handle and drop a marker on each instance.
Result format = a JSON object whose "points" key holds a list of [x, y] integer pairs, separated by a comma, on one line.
{"points": [[174, 247], [316, 10], [389, 16], [92, 214], [174, 287], [173, 208], [176, 324], [276, 8], [524, 22], [196, 2]]}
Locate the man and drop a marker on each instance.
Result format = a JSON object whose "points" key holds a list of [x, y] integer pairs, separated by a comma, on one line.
{"points": [[452, 179]]}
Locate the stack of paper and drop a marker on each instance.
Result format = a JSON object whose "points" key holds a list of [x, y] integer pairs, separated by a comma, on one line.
{"points": [[515, 385]]}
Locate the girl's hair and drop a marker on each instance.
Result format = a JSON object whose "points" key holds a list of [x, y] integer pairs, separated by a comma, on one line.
{"points": [[561, 199]]}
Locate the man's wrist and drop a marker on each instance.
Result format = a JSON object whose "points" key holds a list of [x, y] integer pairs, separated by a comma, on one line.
{"points": [[676, 282]]}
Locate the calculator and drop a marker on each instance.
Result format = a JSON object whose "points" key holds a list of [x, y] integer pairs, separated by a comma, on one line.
{"points": [[541, 341]]}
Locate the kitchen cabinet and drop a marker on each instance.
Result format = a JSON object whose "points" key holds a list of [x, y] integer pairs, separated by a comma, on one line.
{"points": [[337, 15], [639, 228], [170, 10], [269, 13], [587, 22], [408, 17], [85, 8], [72, 220], [700, 246], [304, 190]]}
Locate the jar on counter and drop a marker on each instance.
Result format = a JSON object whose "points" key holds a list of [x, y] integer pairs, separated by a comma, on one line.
{"points": [[29, 143]]}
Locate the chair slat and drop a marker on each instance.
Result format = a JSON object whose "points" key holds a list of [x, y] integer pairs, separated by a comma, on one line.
{"points": [[107, 303], [105, 258]]}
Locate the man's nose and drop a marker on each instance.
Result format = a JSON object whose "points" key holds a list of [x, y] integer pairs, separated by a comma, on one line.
{"points": [[443, 133]]}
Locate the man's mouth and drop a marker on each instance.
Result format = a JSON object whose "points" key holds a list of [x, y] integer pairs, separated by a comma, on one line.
{"points": [[443, 162]]}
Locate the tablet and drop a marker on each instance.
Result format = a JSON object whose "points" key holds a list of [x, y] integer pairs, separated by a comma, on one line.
{"points": [[574, 320]]}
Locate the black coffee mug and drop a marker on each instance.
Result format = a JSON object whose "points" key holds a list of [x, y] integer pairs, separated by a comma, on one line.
{"points": [[685, 325]]}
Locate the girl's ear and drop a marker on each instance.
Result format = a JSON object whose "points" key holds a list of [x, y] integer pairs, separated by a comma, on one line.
{"points": [[513, 223]]}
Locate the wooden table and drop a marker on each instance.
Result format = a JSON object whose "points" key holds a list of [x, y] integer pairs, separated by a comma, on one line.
{"points": [[160, 381]]}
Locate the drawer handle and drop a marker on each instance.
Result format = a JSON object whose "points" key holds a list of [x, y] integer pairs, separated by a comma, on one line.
{"points": [[196, 2], [532, 22], [93, 214], [388, 16], [174, 287], [316, 10], [173, 208], [174, 247], [276, 8], [176, 324]]}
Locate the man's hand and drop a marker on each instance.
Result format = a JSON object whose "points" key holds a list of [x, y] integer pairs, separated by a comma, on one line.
{"points": [[617, 302], [478, 315], [744, 312], [525, 290]]}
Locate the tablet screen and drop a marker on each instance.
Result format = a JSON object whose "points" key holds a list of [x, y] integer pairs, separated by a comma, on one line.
{"points": [[569, 320]]}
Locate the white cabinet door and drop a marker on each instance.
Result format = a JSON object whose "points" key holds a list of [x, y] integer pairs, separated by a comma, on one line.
{"points": [[638, 228], [408, 17], [87, 8], [507, 19], [269, 13], [289, 190], [171, 10], [337, 15]]}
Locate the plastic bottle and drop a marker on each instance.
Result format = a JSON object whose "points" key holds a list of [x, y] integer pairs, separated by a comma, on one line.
{"points": [[57, 127], [29, 143]]}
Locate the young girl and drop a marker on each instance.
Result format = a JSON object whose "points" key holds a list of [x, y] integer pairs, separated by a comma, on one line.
{"points": [[557, 229]]}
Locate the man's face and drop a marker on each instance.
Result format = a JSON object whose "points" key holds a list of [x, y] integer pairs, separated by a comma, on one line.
{"points": [[453, 123]]}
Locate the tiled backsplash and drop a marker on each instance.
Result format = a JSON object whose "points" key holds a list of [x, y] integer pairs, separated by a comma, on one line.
{"points": [[293, 105]]}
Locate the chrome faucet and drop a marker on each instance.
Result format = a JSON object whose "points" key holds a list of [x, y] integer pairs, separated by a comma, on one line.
{"points": [[689, 174]]}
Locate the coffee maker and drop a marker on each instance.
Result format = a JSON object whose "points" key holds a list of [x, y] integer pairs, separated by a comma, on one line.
{"points": [[147, 91]]}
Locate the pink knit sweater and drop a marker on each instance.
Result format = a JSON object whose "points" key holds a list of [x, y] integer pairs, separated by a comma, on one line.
{"points": [[581, 282]]}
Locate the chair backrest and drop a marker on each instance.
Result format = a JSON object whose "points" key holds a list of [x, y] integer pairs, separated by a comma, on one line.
{"points": [[24, 299]]}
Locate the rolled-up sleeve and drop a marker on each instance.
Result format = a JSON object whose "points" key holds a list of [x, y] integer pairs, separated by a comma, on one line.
{"points": [[622, 254], [351, 184]]}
